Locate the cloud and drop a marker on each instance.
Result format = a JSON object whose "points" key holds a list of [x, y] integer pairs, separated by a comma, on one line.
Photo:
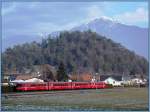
{"points": [[94, 12], [139, 15], [36, 17], [44, 28]]}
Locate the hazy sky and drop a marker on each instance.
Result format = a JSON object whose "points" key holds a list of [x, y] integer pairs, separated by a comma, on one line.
{"points": [[38, 18]]}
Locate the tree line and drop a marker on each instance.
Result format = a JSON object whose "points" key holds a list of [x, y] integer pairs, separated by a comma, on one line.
{"points": [[79, 51]]}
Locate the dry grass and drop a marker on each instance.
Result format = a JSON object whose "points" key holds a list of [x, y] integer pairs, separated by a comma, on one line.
{"points": [[100, 99]]}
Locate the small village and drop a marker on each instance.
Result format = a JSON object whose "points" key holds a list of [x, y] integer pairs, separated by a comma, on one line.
{"points": [[47, 73]]}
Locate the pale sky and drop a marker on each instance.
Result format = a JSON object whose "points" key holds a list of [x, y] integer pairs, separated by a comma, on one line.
{"points": [[39, 18]]}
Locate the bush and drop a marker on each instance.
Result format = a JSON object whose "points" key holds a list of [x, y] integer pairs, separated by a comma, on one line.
{"points": [[7, 89], [109, 85]]}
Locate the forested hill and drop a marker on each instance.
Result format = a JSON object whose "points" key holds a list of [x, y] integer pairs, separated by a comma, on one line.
{"points": [[80, 51]]}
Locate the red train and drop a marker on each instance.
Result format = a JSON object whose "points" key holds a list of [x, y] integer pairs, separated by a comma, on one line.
{"points": [[60, 86]]}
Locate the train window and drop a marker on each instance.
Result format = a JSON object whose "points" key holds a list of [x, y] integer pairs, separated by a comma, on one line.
{"points": [[18, 85], [61, 84], [41, 84], [79, 84], [58, 85]]}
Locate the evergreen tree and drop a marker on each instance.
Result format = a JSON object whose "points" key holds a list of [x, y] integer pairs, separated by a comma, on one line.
{"points": [[86, 50], [47, 74], [61, 73]]}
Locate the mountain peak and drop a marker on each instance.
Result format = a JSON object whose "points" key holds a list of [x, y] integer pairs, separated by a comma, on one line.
{"points": [[127, 35], [105, 19]]}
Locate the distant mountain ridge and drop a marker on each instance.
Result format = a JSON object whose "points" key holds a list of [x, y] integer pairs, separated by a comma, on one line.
{"points": [[132, 37]]}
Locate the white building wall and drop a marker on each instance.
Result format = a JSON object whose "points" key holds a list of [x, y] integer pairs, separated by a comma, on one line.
{"points": [[113, 82]]}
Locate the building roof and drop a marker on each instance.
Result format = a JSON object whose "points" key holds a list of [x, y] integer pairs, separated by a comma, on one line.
{"points": [[32, 80], [104, 77], [24, 77], [85, 77]]}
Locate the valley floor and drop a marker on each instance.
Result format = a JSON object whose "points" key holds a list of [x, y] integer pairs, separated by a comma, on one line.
{"points": [[100, 99]]}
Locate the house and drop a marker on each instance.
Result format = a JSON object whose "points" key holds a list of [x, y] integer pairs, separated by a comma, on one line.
{"points": [[83, 77], [86, 77], [20, 79], [34, 80], [7, 77], [95, 78], [25, 78], [138, 81], [46, 72], [126, 80], [111, 79]]}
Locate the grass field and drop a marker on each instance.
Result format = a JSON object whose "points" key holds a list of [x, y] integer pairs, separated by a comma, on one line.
{"points": [[100, 99]]}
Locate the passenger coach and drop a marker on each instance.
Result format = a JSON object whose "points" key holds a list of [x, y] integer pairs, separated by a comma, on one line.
{"points": [[47, 86]]}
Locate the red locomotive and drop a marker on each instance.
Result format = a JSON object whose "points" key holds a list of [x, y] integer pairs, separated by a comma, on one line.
{"points": [[60, 86]]}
